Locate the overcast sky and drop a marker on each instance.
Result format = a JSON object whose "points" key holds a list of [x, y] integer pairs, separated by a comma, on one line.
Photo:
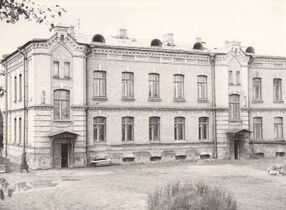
{"points": [[260, 23]]}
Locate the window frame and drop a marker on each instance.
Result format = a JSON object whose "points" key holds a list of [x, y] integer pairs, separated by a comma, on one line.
{"points": [[99, 84], [126, 123], [67, 76], [60, 102], [257, 124], [15, 89], [234, 107], [57, 75], [127, 83], [277, 89], [278, 125], [154, 125], [257, 87], [20, 87], [99, 127], [154, 85], [179, 93], [179, 128], [20, 130], [203, 128], [202, 85]]}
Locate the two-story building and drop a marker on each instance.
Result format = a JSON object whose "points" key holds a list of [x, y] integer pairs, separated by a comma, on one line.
{"points": [[68, 101]]}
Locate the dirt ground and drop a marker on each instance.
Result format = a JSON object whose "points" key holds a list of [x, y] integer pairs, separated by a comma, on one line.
{"points": [[127, 186]]}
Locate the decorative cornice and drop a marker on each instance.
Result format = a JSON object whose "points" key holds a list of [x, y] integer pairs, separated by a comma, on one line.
{"points": [[278, 142]]}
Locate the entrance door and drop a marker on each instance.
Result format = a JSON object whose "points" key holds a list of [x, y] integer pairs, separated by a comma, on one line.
{"points": [[64, 155], [236, 149]]}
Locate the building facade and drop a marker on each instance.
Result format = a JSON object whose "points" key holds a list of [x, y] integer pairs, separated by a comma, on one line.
{"points": [[68, 102]]}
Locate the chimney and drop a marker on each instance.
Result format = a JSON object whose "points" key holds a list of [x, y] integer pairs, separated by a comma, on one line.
{"points": [[122, 33], [232, 43], [169, 39]]}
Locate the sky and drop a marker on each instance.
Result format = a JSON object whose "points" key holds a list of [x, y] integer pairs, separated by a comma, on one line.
{"points": [[257, 23]]}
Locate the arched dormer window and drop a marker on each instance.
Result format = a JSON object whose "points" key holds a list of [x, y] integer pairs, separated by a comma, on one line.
{"points": [[250, 50], [98, 38], [156, 43], [198, 46]]}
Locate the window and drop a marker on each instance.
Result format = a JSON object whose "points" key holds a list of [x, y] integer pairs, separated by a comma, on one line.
{"points": [[154, 128], [230, 80], [15, 130], [238, 77], [277, 89], [20, 87], [127, 85], [67, 70], [178, 86], [179, 128], [15, 89], [154, 86], [156, 43], [127, 129], [20, 130], [257, 127], [234, 108], [56, 69], [203, 128], [257, 95], [278, 128], [202, 87], [99, 129], [62, 105], [99, 84]]}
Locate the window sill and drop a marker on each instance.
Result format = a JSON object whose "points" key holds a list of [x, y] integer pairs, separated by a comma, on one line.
{"points": [[61, 78], [128, 142], [62, 120], [127, 99], [154, 99], [103, 98], [179, 100], [203, 100], [100, 143], [180, 141], [257, 101], [232, 84], [278, 101], [235, 120]]}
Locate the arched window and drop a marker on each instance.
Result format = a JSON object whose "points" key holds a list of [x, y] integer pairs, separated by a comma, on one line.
{"points": [[257, 127], [156, 43], [154, 128], [61, 104], [198, 46], [250, 50], [154, 85], [98, 38], [203, 128], [234, 107], [99, 129], [127, 129], [179, 128]]}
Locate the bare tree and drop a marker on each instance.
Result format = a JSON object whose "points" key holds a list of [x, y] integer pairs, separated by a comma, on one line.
{"points": [[12, 11]]}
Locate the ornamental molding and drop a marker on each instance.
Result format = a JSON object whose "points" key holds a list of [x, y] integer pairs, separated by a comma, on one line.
{"points": [[151, 56], [267, 109]]}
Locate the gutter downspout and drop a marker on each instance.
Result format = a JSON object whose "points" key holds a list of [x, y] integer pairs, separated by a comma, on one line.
{"points": [[214, 127], [86, 110], [251, 146]]}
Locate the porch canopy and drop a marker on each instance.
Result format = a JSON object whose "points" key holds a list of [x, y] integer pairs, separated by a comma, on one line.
{"points": [[237, 134], [64, 136]]}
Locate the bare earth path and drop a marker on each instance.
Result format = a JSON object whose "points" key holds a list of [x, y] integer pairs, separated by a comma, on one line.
{"points": [[127, 186]]}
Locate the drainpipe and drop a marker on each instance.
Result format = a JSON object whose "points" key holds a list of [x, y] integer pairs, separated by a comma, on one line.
{"points": [[251, 146], [86, 110], [24, 99], [213, 58]]}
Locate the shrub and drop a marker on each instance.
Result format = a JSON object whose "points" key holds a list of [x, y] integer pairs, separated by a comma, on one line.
{"points": [[180, 196]]}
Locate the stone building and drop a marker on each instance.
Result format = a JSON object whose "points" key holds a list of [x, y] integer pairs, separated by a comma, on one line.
{"points": [[69, 101]]}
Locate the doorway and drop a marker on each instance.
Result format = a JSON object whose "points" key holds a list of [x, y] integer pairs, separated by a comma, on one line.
{"points": [[64, 155], [236, 149]]}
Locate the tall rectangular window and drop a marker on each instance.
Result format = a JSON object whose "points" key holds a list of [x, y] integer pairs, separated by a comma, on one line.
{"points": [[234, 107], [203, 128], [127, 129], [15, 89], [238, 77], [20, 87], [154, 128], [202, 87], [67, 70], [230, 77], [99, 84], [178, 86], [278, 128], [20, 130], [56, 69], [277, 89], [257, 127], [127, 85], [154, 86], [99, 129], [257, 93], [179, 128], [15, 130], [61, 104]]}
